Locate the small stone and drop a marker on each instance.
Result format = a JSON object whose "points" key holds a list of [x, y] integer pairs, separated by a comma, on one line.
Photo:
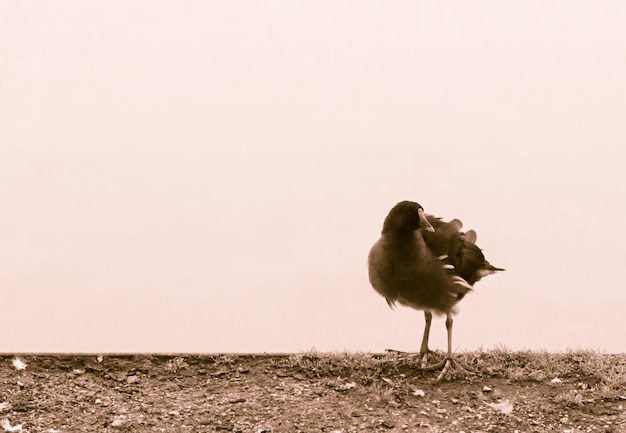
{"points": [[18, 364], [237, 400], [387, 424], [504, 406], [118, 376], [346, 386], [132, 379]]}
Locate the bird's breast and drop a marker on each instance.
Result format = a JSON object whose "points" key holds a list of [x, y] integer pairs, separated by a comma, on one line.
{"points": [[399, 259]]}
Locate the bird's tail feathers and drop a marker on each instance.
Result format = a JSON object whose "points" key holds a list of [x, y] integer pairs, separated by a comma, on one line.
{"points": [[470, 236]]}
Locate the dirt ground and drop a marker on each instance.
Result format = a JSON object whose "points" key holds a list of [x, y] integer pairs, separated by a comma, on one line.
{"points": [[285, 393]]}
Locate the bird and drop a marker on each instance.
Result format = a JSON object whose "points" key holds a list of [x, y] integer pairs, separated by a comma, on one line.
{"points": [[425, 263]]}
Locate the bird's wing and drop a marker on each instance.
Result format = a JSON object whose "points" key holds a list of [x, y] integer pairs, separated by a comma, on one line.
{"points": [[474, 265], [470, 236], [459, 253], [446, 240]]}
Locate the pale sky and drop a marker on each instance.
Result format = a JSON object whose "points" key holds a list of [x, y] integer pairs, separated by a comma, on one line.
{"points": [[193, 176]]}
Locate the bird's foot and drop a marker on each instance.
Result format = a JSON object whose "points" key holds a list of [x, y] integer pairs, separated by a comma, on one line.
{"points": [[424, 357], [446, 363]]}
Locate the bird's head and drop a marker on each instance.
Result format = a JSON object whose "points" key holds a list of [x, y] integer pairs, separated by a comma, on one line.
{"points": [[406, 216]]}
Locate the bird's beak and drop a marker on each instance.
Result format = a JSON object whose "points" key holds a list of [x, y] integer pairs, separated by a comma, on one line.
{"points": [[424, 222]]}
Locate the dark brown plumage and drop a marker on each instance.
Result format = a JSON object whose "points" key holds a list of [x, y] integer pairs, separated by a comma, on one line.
{"points": [[425, 263]]}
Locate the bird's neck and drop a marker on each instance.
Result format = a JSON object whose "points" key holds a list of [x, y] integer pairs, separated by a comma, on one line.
{"points": [[406, 240]]}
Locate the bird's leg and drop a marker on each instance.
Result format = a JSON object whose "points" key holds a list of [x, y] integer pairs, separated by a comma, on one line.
{"points": [[424, 350], [449, 361], [444, 362], [428, 316]]}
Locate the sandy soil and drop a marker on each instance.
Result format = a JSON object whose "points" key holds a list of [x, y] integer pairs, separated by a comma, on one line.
{"points": [[282, 393]]}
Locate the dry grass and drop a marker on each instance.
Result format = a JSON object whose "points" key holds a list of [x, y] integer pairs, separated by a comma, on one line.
{"points": [[597, 374]]}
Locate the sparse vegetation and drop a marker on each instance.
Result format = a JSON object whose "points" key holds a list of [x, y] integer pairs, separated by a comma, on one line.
{"points": [[530, 391], [605, 373]]}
